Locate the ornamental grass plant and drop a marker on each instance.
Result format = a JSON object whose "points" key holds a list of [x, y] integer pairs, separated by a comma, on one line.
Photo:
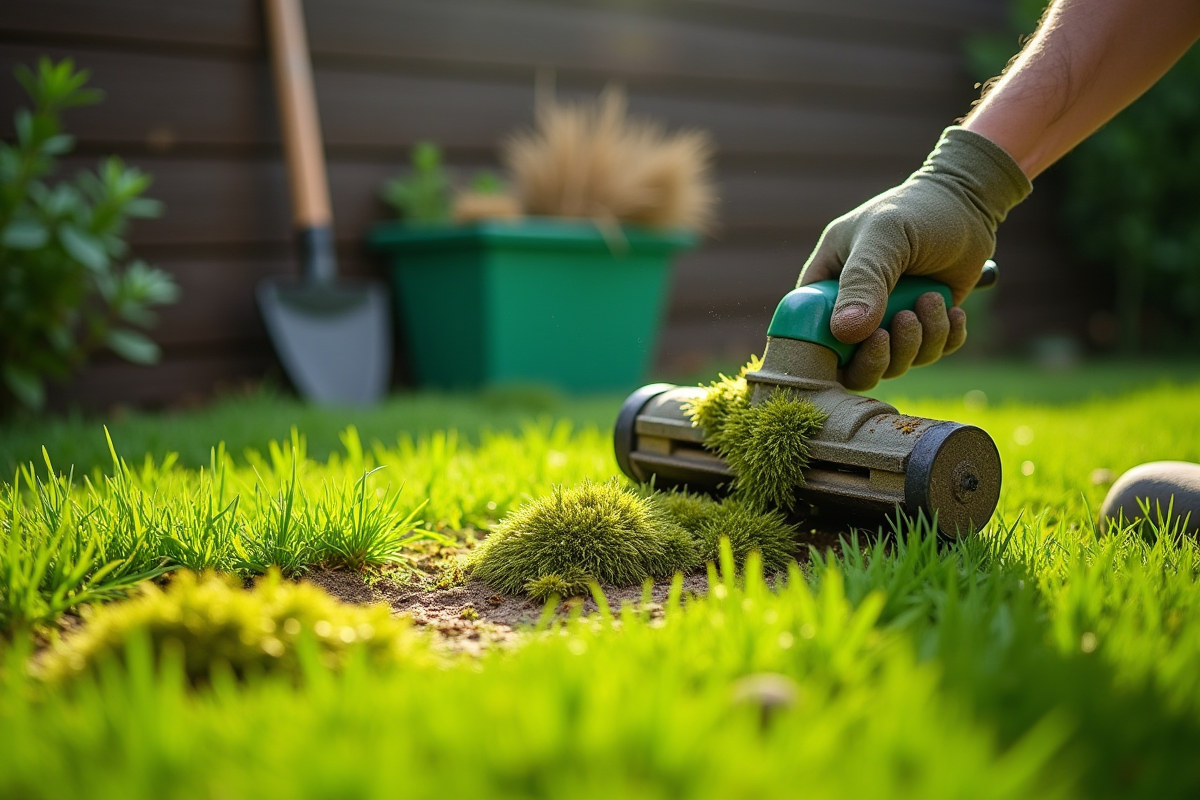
{"points": [[593, 160]]}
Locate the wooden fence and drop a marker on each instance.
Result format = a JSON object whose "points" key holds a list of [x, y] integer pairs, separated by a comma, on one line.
{"points": [[815, 105]]}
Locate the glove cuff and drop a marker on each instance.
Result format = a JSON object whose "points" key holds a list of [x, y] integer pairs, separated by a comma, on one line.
{"points": [[991, 178]]}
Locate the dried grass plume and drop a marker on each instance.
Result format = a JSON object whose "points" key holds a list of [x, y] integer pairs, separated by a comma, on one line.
{"points": [[591, 160]]}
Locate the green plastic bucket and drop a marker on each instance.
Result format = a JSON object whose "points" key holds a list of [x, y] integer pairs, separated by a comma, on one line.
{"points": [[538, 301]]}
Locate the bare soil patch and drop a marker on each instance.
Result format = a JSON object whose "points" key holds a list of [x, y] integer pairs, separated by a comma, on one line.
{"points": [[472, 616]]}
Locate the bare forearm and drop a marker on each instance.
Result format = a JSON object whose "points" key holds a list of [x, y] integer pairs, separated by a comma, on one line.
{"points": [[1088, 60]]}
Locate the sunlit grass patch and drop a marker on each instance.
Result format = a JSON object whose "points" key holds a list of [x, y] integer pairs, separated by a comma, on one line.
{"points": [[1037, 659], [212, 623]]}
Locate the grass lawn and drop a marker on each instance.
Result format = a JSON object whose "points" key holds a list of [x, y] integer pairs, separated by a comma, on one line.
{"points": [[1037, 659]]}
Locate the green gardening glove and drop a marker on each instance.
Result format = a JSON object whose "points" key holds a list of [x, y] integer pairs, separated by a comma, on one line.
{"points": [[941, 224]]}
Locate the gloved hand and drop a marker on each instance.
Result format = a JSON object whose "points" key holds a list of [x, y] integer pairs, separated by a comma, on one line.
{"points": [[940, 223]]}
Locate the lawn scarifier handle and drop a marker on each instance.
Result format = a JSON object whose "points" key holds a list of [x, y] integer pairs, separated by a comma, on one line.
{"points": [[804, 314]]}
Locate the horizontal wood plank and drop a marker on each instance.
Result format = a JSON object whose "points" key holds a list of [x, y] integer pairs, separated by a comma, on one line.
{"points": [[217, 305], [245, 201], [230, 104], [519, 35], [177, 381]]}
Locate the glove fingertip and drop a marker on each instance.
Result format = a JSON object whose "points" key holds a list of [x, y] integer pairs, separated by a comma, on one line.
{"points": [[853, 322]]}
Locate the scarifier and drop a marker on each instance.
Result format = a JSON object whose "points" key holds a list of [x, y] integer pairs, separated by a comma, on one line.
{"points": [[868, 459]]}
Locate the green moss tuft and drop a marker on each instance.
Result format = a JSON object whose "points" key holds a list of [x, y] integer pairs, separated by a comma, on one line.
{"points": [[209, 621], [722, 397], [600, 531], [765, 445], [767, 448], [747, 526], [688, 509], [574, 584]]}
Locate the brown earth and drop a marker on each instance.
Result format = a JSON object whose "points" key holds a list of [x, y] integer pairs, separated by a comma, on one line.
{"points": [[472, 616]]}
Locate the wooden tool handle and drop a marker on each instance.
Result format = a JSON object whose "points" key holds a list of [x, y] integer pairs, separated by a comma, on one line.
{"points": [[298, 114]]}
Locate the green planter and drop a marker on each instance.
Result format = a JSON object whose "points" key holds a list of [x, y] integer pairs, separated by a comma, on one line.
{"points": [[536, 301]]}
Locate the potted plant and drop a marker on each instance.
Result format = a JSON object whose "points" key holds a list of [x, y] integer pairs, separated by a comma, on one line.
{"points": [[564, 280]]}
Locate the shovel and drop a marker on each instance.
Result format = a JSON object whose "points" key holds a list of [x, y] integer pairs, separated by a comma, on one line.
{"points": [[332, 336]]}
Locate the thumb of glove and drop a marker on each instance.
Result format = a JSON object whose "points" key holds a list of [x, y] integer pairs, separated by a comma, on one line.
{"points": [[867, 279]]}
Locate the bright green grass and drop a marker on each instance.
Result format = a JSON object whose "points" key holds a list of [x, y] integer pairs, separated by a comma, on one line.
{"points": [[69, 539], [1036, 660], [253, 421]]}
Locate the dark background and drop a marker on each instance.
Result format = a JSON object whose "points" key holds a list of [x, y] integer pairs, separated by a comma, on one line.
{"points": [[815, 105]]}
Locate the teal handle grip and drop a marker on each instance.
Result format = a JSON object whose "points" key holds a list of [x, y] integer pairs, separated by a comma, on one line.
{"points": [[803, 314]]}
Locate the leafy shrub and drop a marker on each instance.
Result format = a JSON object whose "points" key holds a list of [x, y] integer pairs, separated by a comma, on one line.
{"points": [[765, 444], [210, 621], [594, 531], [63, 290], [1131, 205]]}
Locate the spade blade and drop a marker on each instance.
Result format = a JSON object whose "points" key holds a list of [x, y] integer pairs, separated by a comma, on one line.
{"points": [[334, 339]]}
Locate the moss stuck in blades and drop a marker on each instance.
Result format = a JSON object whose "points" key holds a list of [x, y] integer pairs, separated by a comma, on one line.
{"points": [[721, 399], [765, 445], [597, 531], [210, 622]]}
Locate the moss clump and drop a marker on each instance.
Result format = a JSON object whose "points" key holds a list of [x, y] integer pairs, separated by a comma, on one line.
{"points": [[748, 527], [209, 621], [594, 531], [766, 445], [688, 509]]}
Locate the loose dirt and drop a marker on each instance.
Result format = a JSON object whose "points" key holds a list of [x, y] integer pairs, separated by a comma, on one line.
{"points": [[472, 616]]}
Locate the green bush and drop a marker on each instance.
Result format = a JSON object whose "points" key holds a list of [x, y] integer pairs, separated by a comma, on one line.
{"points": [[593, 532], [63, 289], [1132, 203], [212, 622]]}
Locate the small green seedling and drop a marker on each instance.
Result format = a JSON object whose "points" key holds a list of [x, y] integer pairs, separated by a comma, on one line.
{"points": [[423, 196]]}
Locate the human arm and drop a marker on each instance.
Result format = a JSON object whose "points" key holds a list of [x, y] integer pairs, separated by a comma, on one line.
{"points": [[1089, 59]]}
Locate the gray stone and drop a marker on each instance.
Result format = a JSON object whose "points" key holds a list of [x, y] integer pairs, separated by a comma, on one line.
{"points": [[1157, 483]]}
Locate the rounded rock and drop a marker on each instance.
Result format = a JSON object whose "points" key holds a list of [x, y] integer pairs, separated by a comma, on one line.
{"points": [[1158, 484]]}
